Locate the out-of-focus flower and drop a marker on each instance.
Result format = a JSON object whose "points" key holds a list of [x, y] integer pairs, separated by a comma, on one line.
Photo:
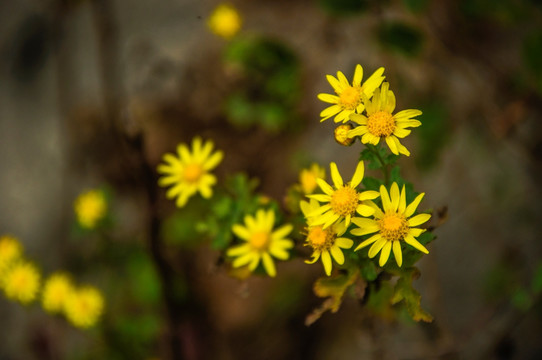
{"points": [[56, 290], [343, 200], [21, 282], [10, 250], [260, 242], [393, 225], [307, 178], [225, 21], [90, 207], [349, 97], [325, 243], [380, 123], [84, 306], [188, 172]]}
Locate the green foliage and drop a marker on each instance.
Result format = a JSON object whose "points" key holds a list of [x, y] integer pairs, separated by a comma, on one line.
{"points": [[376, 157], [532, 53], [344, 7], [433, 134], [404, 292], [402, 38], [536, 285], [270, 84], [416, 6]]}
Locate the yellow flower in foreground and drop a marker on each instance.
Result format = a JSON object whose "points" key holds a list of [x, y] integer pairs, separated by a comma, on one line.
{"points": [[261, 242], [343, 201], [84, 306], [349, 97], [393, 225], [326, 243], [56, 290], [189, 172], [380, 123], [307, 178], [21, 282], [225, 21], [90, 207], [10, 250]]}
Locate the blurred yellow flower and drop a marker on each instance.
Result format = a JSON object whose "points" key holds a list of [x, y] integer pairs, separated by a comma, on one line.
{"points": [[56, 290], [10, 250], [21, 282], [343, 201], [84, 306], [189, 171], [225, 21], [381, 124], [349, 97], [393, 225], [326, 243], [307, 178], [261, 242], [90, 207]]}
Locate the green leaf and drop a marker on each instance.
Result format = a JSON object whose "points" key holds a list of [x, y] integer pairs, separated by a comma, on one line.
{"points": [[344, 7], [521, 299], [401, 38], [404, 292], [537, 280], [369, 271], [416, 6], [371, 183]]}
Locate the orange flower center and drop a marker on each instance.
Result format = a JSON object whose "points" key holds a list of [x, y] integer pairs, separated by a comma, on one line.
{"points": [[344, 201], [192, 172], [260, 240], [381, 123], [393, 226], [350, 97], [320, 239]]}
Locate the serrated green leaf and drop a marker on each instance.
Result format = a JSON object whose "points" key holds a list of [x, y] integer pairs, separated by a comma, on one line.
{"points": [[405, 293]]}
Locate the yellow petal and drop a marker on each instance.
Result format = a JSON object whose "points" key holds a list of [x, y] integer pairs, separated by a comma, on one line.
{"points": [[418, 219], [369, 241], [414, 205], [326, 260], [392, 145], [394, 194], [326, 188], [335, 176], [386, 202], [365, 210], [407, 114], [358, 119], [344, 243], [337, 254], [375, 248], [397, 253], [402, 201], [409, 239], [358, 75], [269, 265], [358, 175], [385, 254], [334, 83], [329, 112], [328, 98], [358, 131]]}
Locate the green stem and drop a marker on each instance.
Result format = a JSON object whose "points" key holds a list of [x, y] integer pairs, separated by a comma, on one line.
{"points": [[384, 166]]}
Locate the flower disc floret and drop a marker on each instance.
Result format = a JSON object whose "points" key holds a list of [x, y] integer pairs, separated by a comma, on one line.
{"points": [[349, 98], [343, 200], [393, 226], [188, 172], [261, 242], [381, 123]]}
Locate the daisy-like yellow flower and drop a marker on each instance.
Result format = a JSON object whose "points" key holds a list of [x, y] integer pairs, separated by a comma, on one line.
{"points": [[21, 282], [326, 243], [307, 178], [189, 172], [90, 207], [261, 242], [381, 123], [10, 250], [393, 225], [225, 21], [84, 306], [56, 290], [343, 200], [349, 97]]}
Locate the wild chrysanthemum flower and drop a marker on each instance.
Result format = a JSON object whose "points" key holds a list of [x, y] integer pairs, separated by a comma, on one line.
{"points": [[56, 290], [225, 21], [380, 123], [84, 306], [307, 178], [393, 225], [90, 207], [343, 200], [326, 243], [349, 97], [189, 172], [10, 250], [21, 282], [261, 242]]}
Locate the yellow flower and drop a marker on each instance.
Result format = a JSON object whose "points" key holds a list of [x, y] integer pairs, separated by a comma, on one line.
{"points": [[343, 201], [188, 173], [307, 178], [84, 306], [10, 250], [21, 282], [393, 225], [261, 242], [380, 123], [349, 97], [225, 21], [326, 243], [90, 207], [341, 135], [56, 290]]}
